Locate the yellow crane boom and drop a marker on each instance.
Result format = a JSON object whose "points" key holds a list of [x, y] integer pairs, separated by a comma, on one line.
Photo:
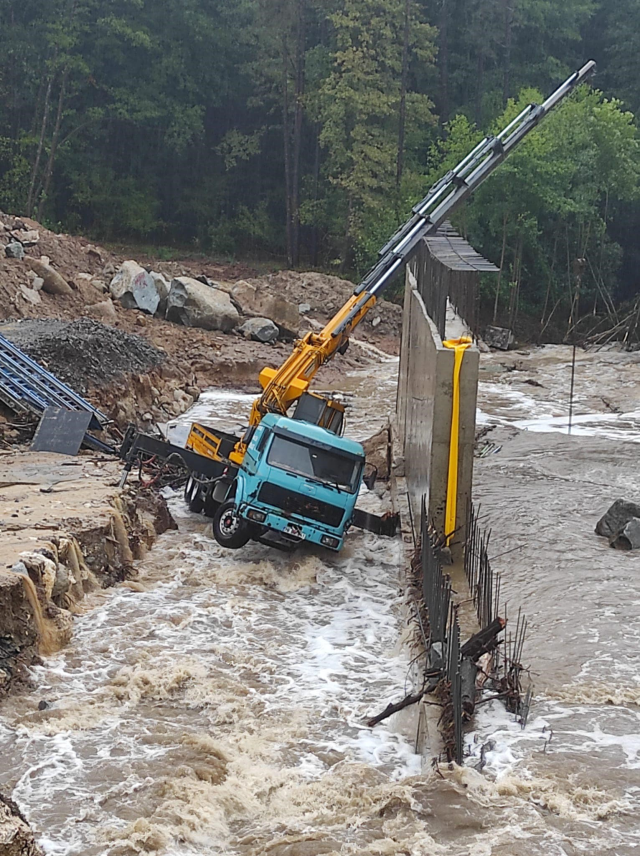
{"points": [[285, 385]]}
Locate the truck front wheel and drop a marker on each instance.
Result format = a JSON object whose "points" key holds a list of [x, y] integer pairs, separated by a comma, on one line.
{"points": [[229, 529]]}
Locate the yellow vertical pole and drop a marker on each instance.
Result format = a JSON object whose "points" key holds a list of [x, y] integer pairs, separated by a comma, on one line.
{"points": [[459, 346]]}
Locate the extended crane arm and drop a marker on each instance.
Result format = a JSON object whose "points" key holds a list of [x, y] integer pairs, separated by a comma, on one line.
{"points": [[285, 385]]}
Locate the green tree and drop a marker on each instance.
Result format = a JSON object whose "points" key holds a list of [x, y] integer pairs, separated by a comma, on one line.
{"points": [[545, 214], [368, 111]]}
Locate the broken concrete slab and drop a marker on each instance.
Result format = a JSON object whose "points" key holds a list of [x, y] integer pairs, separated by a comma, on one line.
{"points": [[616, 518], [260, 330], [36, 281], [28, 238], [30, 295], [194, 304]]}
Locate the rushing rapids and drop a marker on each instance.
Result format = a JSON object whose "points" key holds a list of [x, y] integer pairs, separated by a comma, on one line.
{"points": [[216, 704]]}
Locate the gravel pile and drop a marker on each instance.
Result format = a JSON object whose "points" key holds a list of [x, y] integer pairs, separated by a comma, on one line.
{"points": [[83, 353]]}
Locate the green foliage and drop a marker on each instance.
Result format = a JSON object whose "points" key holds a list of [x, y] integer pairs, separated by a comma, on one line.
{"points": [[307, 128], [359, 105], [14, 172], [551, 201]]}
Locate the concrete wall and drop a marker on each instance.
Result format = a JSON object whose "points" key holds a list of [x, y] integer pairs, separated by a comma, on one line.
{"points": [[424, 410]]}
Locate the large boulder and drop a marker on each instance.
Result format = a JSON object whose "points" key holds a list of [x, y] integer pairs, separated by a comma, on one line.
{"points": [[197, 305], [257, 302], [162, 287], [616, 518], [53, 282], [377, 450], [136, 288], [260, 330], [499, 337], [629, 537], [14, 250]]}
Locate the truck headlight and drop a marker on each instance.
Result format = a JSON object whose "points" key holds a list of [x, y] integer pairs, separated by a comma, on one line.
{"points": [[329, 541], [258, 516]]}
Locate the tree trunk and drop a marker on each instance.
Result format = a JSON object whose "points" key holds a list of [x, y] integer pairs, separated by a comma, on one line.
{"points": [[513, 312], [390, 709], [316, 193], [43, 130], [483, 641], [402, 119], [297, 136], [549, 283], [443, 55], [346, 248], [287, 147], [479, 87], [54, 145], [514, 283]]}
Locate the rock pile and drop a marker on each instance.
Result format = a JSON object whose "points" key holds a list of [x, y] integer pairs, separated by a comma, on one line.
{"points": [[137, 288], [83, 353], [205, 303]]}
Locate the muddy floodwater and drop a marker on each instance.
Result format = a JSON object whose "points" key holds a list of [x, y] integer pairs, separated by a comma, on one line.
{"points": [[216, 704]]}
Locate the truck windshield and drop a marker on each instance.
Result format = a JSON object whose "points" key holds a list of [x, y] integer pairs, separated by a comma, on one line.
{"points": [[329, 467]]}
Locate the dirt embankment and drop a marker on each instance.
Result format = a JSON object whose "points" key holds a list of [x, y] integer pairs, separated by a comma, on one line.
{"points": [[65, 529]]}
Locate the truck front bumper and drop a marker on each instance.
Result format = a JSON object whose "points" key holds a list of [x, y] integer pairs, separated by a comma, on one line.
{"points": [[294, 530]]}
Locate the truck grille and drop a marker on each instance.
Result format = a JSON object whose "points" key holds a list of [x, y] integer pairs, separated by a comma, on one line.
{"points": [[303, 506]]}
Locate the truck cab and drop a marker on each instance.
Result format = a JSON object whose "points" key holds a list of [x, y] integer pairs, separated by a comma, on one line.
{"points": [[297, 482]]}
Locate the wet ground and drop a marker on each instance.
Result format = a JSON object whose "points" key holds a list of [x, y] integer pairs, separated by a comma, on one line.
{"points": [[216, 704]]}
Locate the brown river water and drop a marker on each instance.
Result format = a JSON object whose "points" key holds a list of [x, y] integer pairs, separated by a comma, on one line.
{"points": [[216, 704]]}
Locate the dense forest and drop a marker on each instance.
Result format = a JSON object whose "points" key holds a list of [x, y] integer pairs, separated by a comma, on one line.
{"points": [[302, 131]]}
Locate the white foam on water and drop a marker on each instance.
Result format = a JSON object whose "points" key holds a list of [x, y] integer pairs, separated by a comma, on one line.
{"points": [[508, 405], [580, 752], [280, 659], [614, 426]]}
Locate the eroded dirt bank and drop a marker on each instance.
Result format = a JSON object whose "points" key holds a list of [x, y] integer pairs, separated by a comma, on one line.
{"points": [[65, 530]]}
